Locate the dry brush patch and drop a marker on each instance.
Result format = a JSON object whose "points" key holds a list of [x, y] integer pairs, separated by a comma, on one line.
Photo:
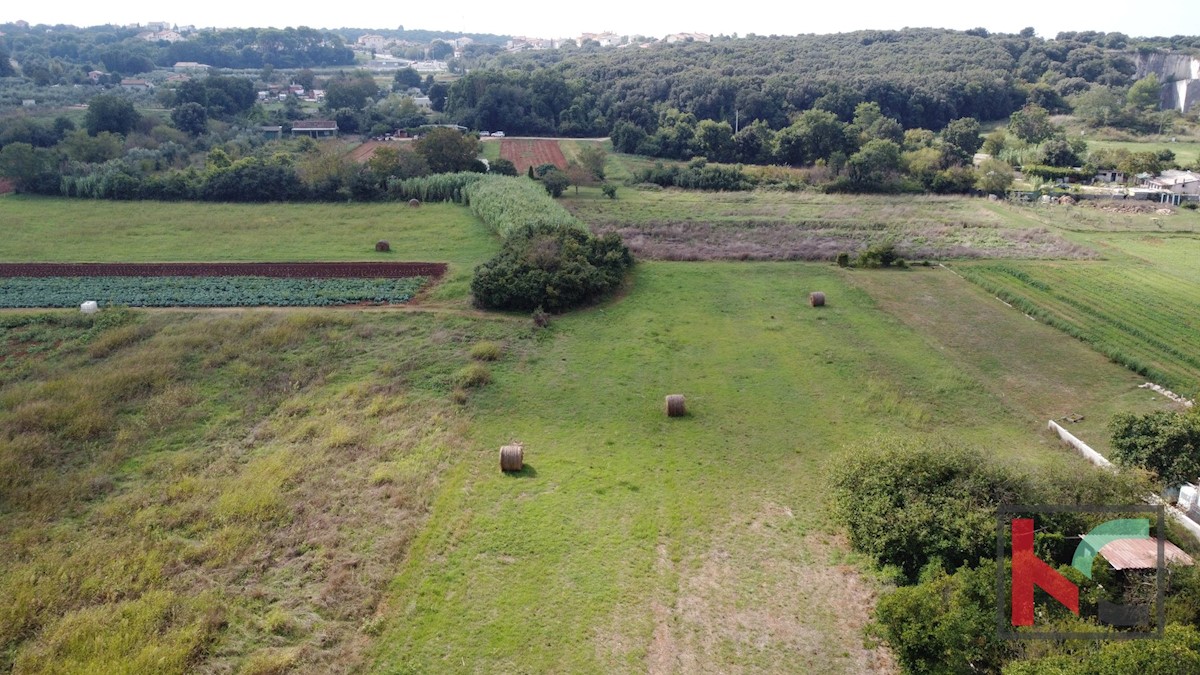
{"points": [[212, 493], [766, 225], [783, 240]]}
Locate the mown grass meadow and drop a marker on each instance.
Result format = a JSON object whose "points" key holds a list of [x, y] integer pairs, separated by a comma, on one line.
{"points": [[318, 490]]}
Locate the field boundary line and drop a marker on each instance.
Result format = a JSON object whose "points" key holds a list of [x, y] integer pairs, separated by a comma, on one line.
{"points": [[1168, 393]]}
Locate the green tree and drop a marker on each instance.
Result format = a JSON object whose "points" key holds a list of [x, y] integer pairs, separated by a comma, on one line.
{"points": [[97, 149], [994, 142], [1058, 152], [406, 78], [915, 139], [447, 150], [910, 502], [108, 112], [1176, 653], [963, 135], [555, 182], [439, 50], [1099, 106], [714, 140], [32, 169], [593, 157], [1165, 442], [1144, 95], [816, 134], [947, 623], [6, 68], [871, 124], [755, 143], [1031, 124], [437, 96], [871, 166], [351, 92], [994, 176], [503, 167], [390, 162], [190, 118]]}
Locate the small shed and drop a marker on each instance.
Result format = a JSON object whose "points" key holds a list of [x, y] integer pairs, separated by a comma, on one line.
{"points": [[315, 128]]}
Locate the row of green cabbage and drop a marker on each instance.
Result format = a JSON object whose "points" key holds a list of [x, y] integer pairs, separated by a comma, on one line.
{"points": [[203, 291]]}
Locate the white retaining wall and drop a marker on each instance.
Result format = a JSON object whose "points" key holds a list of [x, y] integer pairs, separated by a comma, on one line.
{"points": [[1082, 448]]}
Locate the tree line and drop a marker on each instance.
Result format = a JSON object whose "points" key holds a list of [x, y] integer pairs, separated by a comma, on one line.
{"points": [[923, 78]]}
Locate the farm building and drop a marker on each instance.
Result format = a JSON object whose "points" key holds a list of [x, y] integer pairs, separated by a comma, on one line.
{"points": [[1110, 176], [271, 133], [315, 128], [1176, 182], [135, 84]]}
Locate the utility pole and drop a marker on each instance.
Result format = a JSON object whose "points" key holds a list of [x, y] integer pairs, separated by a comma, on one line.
{"points": [[736, 121]]}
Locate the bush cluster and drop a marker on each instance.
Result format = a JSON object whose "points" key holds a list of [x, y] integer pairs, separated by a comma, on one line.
{"points": [[551, 268], [926, 510], [548, 260]]}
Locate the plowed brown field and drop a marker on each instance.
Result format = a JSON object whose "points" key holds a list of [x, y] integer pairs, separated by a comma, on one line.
{"points": [[525, 153]]}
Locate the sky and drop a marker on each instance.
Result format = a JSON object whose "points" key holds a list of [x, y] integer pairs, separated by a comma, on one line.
{"points": [[555, 18]]}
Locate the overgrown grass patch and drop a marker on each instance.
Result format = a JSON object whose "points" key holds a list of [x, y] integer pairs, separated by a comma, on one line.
{"points": [[183, 491]]}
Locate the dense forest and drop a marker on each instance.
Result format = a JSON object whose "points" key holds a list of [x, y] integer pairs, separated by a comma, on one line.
{"points": [[924, 78]]}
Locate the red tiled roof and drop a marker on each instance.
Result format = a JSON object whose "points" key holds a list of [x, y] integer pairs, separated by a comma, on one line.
{"points": [[1142, 554]]}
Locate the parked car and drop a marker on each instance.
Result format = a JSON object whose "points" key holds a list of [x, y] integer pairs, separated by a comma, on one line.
{"points": [[498, 134]]}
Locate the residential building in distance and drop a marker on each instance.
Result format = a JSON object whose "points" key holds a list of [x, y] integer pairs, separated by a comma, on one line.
{"points": [[687, 37]]}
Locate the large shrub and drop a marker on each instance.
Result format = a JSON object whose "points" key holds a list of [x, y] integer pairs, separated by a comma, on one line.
{"points": [[555, 268], [1166, 443], [908, 503], [946, 624]]}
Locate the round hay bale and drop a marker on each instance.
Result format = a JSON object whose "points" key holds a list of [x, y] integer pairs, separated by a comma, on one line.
{"points": [[512, 457], [676, 406], [89, 307], [382, 246], [414, 203], [816, 299]]}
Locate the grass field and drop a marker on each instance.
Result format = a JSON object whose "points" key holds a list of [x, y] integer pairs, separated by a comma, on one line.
{"points": [[637, 542], [259, 491], [43, 229]]}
